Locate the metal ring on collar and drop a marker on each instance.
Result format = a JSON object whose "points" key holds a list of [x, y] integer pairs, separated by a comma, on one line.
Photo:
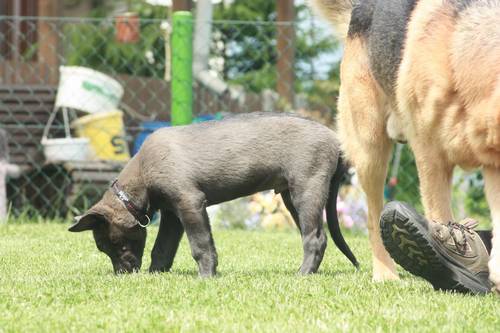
{"points": [[144, 225]]}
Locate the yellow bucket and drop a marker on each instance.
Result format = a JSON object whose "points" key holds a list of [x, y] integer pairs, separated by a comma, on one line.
{"points": [[106, 133]]}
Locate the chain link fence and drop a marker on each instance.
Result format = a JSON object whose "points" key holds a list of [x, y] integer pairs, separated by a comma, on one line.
{"points": [[250, 66]]}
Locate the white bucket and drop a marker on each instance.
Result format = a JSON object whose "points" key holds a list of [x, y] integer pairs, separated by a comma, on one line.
{"points": [[66, 149], [87, 90]]}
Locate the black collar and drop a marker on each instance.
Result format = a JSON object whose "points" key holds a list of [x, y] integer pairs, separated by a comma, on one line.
{"points": [[141, 216]]}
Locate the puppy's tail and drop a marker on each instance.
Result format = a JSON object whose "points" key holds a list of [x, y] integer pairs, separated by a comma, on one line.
{"points": [[331, 214], [336, 12]]}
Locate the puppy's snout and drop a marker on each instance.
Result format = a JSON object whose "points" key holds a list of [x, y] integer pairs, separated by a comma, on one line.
{"points": [[127, 263]]}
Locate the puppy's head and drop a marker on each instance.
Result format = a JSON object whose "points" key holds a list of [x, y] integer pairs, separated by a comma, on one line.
{"points": [[116, 233]]}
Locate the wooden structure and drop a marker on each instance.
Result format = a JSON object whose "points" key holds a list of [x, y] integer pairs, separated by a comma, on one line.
{"points": [[182, 5], [48, 188], [286, 50], [30, 49]]}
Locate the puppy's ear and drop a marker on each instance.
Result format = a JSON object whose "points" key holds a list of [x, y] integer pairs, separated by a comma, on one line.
{"points": [[86, 222]]}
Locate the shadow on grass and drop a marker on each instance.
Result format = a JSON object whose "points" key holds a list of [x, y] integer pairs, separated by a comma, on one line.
{"points": [[263, 272]]}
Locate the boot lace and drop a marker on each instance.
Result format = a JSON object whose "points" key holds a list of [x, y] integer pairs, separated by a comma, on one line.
{"points": [[464, 229]]}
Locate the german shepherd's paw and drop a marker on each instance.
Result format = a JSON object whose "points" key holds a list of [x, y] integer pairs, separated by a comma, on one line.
{"points": [[383, 273], [494, 267]]}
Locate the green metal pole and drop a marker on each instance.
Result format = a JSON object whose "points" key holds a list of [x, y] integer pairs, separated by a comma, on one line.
{"points": [[182, 64]]}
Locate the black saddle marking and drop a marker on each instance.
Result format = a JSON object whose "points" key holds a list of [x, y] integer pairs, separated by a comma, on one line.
{"points": [[383, 24]]}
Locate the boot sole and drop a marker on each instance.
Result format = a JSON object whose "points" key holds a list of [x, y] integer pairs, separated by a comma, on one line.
{"points": [[409, 243]]}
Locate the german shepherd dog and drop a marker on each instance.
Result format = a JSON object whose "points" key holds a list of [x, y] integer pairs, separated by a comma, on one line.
{"points": [[426, 72]]}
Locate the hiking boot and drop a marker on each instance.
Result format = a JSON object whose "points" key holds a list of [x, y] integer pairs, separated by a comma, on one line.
{"points": [[450, 256]]}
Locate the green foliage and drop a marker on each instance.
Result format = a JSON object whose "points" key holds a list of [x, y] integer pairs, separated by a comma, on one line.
{"points": [[248, 49], [250, 52], [241, 10], [475, 201], [323, 94], [257, 80], [407, 188], [92, 44]]}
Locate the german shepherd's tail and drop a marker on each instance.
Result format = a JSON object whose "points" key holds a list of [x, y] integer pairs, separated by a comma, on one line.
{"points": [[331, 213], [336, 12]]}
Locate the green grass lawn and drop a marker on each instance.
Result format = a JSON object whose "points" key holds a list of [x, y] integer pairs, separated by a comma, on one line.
{"points": [[54, 281]]}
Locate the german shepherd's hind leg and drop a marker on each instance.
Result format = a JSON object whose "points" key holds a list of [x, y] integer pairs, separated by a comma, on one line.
{"points": [[309, 201], [372, 171], [492, 189], [362, 131]]}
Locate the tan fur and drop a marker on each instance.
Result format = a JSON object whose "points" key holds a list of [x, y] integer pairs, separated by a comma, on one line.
{"points": [[476, 64], [448, 108], [492, 189], [361, 127], [451, 103], [336, 12]]}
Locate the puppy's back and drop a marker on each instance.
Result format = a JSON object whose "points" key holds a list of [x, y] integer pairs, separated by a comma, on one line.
{"points": [[241, 147], [278, 132]]}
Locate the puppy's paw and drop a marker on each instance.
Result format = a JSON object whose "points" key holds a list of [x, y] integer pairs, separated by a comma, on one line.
{"points": [[158, 269], [207, 275]]}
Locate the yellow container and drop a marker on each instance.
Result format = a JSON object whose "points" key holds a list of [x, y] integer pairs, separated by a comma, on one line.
{"points": [[106, 133]]}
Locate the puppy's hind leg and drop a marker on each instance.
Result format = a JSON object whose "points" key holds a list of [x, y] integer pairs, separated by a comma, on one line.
{"points": [[166, 243], [287, 199], [309, 202], [492, 189]]}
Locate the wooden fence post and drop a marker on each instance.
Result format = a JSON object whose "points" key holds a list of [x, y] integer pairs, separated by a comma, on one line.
{"points": [[286, 50]]}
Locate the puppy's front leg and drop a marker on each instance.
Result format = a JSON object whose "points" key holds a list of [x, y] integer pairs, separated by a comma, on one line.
{"points": [[167, 242], [492, 189], [194, 218]]}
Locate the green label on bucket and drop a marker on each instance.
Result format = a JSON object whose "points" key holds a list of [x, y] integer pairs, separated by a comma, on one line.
{"points": [[89, 86]]}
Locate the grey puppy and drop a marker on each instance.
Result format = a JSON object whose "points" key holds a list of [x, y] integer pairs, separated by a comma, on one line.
{"points": [[182, 170]]}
